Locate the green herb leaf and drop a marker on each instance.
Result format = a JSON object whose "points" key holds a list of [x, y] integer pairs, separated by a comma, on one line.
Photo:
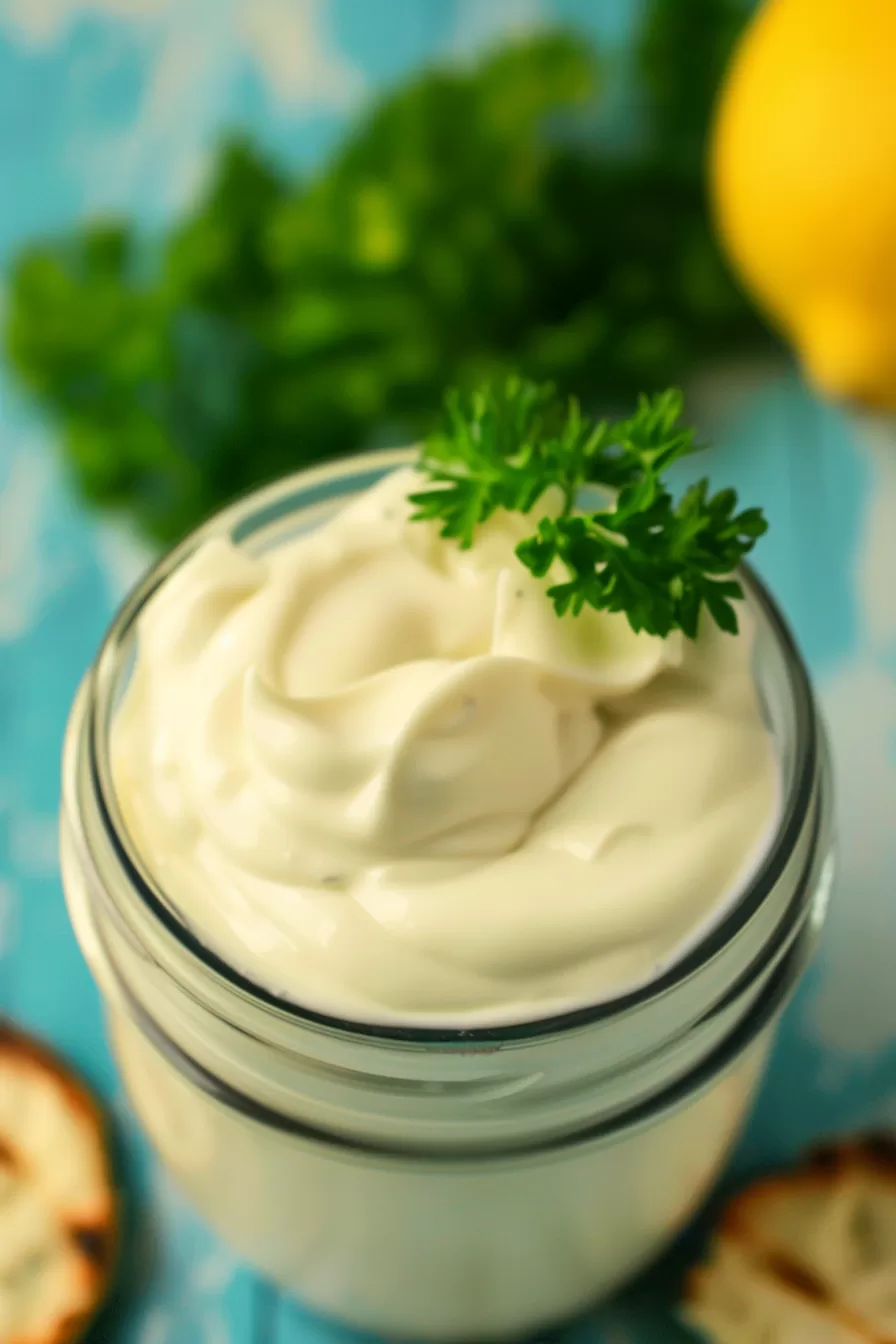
{"points": [[452, 234], [658, 561]]}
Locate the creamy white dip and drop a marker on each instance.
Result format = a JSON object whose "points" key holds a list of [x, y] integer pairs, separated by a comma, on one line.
{"points": [[379, 775]]}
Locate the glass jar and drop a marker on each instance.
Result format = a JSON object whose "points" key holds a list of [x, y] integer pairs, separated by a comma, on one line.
{"points": [[434, 1183]]}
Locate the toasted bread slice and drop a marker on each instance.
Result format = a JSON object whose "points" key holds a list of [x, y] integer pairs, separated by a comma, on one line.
{"points": [[825, 1234], [57, 1203], [737, 1299]]}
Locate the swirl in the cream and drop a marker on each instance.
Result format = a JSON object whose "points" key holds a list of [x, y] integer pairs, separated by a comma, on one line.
{"points": [[379, 775]]}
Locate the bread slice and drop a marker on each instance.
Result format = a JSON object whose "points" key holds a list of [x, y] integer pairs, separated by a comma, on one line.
{"points": [[58, 1217], [815, 1245], [738, 1299]]}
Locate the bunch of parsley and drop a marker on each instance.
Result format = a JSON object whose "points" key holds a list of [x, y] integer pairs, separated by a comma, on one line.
{"points": [[467, 227]]}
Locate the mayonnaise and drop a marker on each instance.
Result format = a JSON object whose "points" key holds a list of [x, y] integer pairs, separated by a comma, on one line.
{"points": [[379, 776]]}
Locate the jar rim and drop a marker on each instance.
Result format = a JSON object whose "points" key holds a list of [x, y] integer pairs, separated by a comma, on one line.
{"points": [[102, 679], [647, 1110]]}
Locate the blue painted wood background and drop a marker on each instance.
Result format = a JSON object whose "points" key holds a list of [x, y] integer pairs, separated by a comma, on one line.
{"points": [[115, 104]]}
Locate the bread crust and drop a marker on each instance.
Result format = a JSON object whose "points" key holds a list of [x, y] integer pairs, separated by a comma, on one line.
{"points": [[58, 1205]]}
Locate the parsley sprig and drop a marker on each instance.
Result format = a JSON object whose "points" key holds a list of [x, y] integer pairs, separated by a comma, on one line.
{"points": [[642, 553]]}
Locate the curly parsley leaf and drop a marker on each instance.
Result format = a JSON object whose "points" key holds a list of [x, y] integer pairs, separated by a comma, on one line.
{"points": [[500, 448], [659, 561]]}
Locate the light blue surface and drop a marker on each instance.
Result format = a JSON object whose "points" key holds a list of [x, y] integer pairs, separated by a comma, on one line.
{"points": [[115, 104]]}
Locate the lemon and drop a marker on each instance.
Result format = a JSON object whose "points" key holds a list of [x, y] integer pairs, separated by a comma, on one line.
{"points": [[803, 167]]}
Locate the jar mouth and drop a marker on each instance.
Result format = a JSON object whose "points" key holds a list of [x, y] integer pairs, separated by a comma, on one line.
{"points": [[261, 510]]}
